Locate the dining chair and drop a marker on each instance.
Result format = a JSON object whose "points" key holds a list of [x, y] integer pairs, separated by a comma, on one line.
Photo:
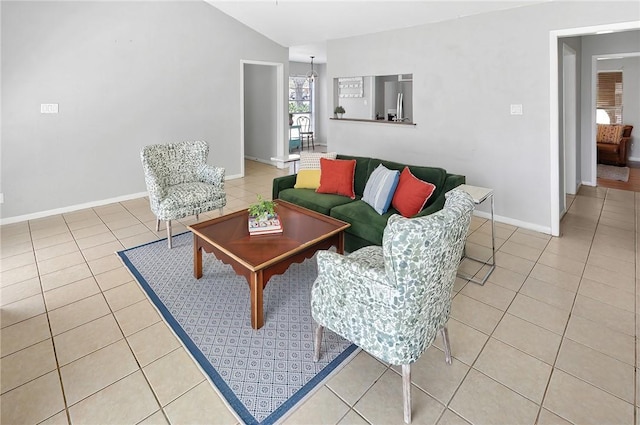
{"points": [[305, 127]]}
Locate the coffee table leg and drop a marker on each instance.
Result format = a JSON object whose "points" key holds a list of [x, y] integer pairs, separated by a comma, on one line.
{"points": [[197, 258], [256, 287], [340, 247]]}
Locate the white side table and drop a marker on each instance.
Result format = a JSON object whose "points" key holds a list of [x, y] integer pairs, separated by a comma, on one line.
{"points": [[479, 195], [293, 160]]}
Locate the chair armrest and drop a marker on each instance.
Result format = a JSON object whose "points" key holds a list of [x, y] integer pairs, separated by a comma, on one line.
{"points": [[624, 147], [282, 183], [155, 190], [357, 277], [212, 175]]}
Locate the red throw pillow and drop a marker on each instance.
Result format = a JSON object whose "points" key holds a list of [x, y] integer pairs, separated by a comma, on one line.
{"points": [[411, 194], [336, 176]]}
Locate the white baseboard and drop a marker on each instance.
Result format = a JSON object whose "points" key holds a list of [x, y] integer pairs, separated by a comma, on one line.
{"points": [[263, 161], [634, 159], [71, 208], [514, 222]]}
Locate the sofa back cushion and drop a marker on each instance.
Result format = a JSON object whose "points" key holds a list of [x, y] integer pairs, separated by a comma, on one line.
{"points": [[361, 174], [609, 133]]}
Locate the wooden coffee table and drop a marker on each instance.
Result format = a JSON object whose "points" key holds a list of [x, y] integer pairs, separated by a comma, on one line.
{"points": [[257, 258]]}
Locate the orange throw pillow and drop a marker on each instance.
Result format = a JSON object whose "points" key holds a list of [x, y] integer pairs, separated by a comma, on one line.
{"points": [[336, 176], [411, 194]]}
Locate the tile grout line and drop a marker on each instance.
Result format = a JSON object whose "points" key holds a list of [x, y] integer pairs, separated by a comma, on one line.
{"points": [[489, 338], [562, 338], [53, 343]]}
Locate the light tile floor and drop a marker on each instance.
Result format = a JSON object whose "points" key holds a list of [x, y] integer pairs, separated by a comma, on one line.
{"points": [[550, 338]]}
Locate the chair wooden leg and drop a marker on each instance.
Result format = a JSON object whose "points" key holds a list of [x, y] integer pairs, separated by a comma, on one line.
{"points": [[157, 225], [317, 343], [406, 392], [447, 346], [197, 215], [169, 233]]}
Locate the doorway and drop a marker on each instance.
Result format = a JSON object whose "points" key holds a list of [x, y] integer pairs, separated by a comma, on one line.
{"points": [[624, 70], [261, 111], [557, 163]]}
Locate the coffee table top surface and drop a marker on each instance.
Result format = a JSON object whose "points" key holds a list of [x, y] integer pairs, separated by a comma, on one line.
{"points": [[301, 228]]}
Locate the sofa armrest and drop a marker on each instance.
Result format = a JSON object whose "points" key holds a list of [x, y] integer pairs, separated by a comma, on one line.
{"points": [[282, 183], [452, 181]]}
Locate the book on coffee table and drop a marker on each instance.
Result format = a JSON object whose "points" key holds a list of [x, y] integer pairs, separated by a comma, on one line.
{"points": [[265, 227]]}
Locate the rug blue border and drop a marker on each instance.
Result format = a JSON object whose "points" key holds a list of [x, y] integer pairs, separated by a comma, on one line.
{"points": [[222, 386]]}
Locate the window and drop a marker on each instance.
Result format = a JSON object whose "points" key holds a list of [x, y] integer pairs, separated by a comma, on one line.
{"points": [[300, 96], [609, 98]]}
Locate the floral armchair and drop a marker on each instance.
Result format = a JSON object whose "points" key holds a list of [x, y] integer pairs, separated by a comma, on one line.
{"points": [[392, 300], [180, 182]]}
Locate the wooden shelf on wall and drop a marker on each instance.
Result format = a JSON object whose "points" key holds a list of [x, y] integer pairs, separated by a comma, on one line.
{"points": [[374, 121]]}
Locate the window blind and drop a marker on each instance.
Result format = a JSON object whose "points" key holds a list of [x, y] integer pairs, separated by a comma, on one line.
{"points": [[609, 96]]}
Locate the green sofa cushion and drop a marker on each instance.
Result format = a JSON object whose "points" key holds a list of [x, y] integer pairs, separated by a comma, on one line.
{"points": [[362, 173], [365, 221], [308, 198]]}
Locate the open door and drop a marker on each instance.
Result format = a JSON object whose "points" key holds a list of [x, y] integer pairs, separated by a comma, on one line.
{"points": [[569, 120]]}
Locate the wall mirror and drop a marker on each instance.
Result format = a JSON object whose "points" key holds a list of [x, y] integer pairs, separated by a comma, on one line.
{"points": [[382, 98]]}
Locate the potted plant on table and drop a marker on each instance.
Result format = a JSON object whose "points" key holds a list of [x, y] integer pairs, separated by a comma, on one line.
{"points": [[338, 111], [263, 218]]}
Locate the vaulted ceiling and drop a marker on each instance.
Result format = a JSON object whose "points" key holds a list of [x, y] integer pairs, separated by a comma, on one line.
{"points": [[305, 26]]}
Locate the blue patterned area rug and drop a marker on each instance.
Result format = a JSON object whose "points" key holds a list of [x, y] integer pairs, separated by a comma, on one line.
{"points": [[263, 374]]}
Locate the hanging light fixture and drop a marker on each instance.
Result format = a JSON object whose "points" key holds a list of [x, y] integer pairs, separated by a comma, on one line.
{"points": [[312, 75]]}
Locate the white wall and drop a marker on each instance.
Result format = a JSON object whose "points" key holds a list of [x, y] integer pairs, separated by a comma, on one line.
{"points": [[466, 73], [125, 74], [593, 46], [260, 109]]}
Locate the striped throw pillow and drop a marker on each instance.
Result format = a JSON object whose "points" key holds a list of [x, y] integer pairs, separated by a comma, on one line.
{"points": [[379, 190]]}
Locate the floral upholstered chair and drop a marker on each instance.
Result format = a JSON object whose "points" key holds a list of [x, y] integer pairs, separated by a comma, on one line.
{"points": [[180, 182], [392, 300]]}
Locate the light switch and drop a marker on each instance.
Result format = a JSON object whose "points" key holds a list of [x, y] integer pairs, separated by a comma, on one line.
{"points": [[49, 108], [516, 109]]}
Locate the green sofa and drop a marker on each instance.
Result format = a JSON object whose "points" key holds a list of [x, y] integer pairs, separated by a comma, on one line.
{"points": [[367, 226]]}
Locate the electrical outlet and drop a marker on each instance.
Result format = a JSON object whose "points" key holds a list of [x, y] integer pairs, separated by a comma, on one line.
{"points": [[516, 109], [48, 108]]}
